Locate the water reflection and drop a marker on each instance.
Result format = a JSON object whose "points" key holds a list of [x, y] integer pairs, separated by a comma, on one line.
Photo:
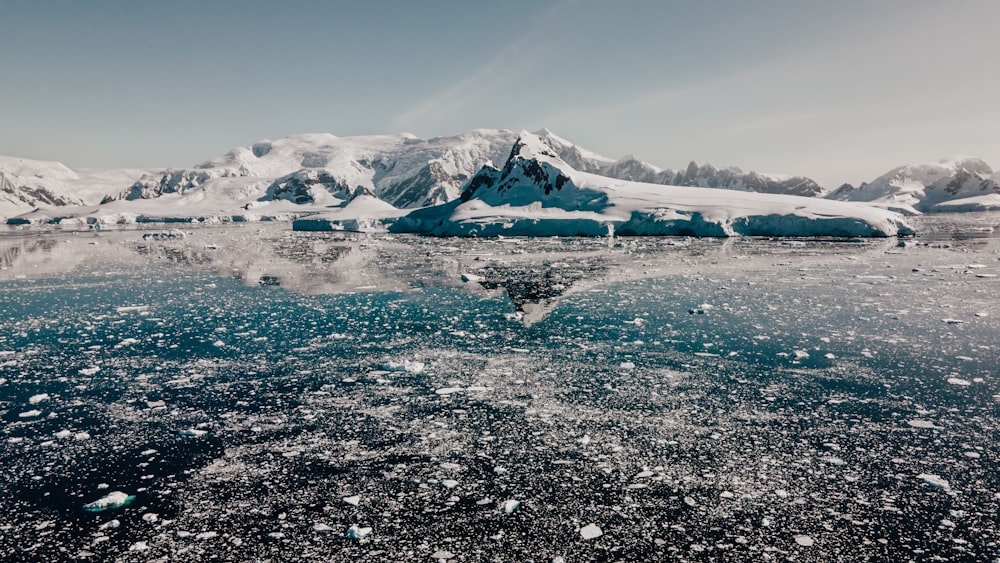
{"points": [[534, 274]]}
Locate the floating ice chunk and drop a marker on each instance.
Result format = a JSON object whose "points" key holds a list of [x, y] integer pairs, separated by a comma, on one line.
{"points": [[472, 278], [90, 371], [442, 555], [155, 404], [356, 532], [586, 439], [110, 501], [801, 354], [321, 527], [218, 344], [35, 399], [591, 531], [449, 483], [959, 381], [150, 517], [952, 321], [449, 390], [110, 525], [499, 470], [934, 481], [829, 356], [406, 366], [63, 434], [917, 423], [626, 365], [509, 506], [30, 414], [127, 342], [804, 540], [690, 501], [206, 535], [150, 451], [81, 436], [139, 546], [192, 433], [352, 500]]}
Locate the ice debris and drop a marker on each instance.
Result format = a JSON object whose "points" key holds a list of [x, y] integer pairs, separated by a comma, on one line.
{"points": [[510, 506]]}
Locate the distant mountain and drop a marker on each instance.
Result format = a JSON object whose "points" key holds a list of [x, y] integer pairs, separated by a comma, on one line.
{"points": [[949, 185], [705, 176], [537, 193], [292, 175], [401, 169], [26, 184]]}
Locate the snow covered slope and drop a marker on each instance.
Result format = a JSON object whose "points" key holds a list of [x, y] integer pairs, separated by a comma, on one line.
{"points": [[400, 169], [950, 185], [409, 172], [537, 193], [26, 184], [705, 176]]}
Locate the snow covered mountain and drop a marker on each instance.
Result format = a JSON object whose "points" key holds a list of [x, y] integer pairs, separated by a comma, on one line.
{"points": [[26, 184], [318, 172], [401, 169], [950, 185], [704, 176], [537, 193], [408, 172]]}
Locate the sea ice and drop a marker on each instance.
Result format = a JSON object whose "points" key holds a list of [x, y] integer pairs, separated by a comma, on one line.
{"points": [[35, 399], [509, 506]]}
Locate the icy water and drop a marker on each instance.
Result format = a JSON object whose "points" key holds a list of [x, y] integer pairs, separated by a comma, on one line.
{"points": [[274, 396]]}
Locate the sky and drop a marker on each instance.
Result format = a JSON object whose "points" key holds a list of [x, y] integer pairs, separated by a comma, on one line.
{"points": [[837, 91]]}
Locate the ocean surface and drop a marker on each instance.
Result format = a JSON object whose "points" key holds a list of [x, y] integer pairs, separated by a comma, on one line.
{"points": [[258, 394]]}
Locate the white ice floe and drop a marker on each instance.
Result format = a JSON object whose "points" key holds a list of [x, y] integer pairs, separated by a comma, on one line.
{"points": [[35, 399], [509, 506], [356, 532], [442, 555], [591, 531], [30, 414], [192, 433], [934, 481], [804, 540], [110, 501], [352, 500], [918, 423], [449, 390], [406, 366], [959, 381]]}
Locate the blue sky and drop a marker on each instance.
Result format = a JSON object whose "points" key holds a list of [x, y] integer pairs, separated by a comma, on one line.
{"points": [[840, 91]]}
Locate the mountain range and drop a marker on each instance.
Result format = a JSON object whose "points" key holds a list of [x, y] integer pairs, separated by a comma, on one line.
{"points": [[297, 174]]}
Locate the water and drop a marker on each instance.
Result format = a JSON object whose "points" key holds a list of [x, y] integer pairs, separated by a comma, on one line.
{"points": [[694, 399]]}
